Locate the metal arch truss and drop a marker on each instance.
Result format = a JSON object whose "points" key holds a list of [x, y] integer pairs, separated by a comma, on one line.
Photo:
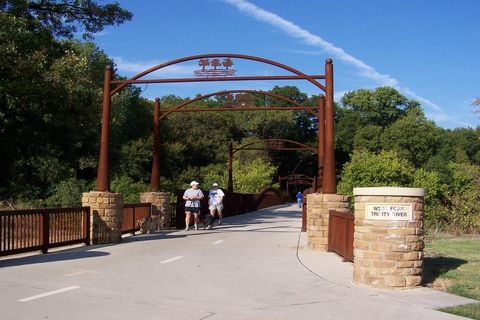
{"points": [[269, 144], [297, 179], [243, 107], [325, 113], [277, 145]]}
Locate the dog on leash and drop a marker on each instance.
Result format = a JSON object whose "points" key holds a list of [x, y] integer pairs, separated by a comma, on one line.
{"points": [[151, 224]]}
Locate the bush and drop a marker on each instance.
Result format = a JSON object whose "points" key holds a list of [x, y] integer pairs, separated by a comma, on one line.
{"points": [[68, 193], [374, 170], [129, 188]]}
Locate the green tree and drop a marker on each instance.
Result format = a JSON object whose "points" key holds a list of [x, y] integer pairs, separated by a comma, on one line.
{"points": [[382, 106], [371, 170], [253, 176], [369, 138], [62, 18], [129, 188], [413, 137], [68, 193], [49, 95]]}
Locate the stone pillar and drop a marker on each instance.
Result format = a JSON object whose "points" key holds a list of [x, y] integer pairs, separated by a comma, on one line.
{"points": [[106, 215], [388, 240], [160, 204], [318, 205]]}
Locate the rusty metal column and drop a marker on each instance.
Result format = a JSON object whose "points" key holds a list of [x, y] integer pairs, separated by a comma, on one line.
{"points": [[230, 168], [321, 143], [103, 181], [329, 180], [155, 175]]}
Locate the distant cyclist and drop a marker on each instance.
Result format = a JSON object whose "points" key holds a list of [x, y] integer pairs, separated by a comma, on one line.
{"points": [[215, 203]]}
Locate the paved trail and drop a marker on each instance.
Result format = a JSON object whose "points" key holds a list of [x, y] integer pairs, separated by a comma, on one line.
{"points": [[246, 269]]}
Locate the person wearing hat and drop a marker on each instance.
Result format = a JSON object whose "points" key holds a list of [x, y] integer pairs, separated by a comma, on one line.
{"points": [[215, 202], [192, 204]]}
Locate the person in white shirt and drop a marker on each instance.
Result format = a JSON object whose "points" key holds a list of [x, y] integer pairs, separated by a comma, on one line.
{"points": [[215, 203], [192, 204]]}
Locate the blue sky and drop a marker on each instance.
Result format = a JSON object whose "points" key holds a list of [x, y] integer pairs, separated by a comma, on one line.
{"points": [[429, 50]]}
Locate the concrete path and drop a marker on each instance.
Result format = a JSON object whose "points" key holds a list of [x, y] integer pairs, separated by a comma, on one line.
{"points": [[255, 266]]}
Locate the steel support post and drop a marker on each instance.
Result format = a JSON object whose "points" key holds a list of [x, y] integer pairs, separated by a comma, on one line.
{"points": [[103, 181], [329, 183], [155, 175]]}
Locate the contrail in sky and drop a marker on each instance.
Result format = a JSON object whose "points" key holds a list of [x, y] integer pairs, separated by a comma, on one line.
{"points": [[307, 37]]}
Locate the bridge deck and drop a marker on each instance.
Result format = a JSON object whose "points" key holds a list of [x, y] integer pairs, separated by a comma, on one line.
{"points": [[245, 269]]}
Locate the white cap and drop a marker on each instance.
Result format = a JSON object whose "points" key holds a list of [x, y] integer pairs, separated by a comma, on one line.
{"points": [[215, 185], [193, 182]]}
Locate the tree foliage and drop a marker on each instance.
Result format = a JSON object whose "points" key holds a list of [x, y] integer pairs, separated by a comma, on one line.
{"points": [[62, 18], [50, 97], [367, 169]]}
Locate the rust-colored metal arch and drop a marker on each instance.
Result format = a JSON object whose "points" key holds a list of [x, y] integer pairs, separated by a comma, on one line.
{"points": [[296, 106], [298, 179], [267, 190], [325, 114], [302, 147], [300, 75]]}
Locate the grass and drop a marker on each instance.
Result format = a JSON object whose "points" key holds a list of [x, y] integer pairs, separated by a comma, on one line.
{"points": [[453, 265]]}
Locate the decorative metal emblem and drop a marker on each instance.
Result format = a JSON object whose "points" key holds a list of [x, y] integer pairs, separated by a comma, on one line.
{"points": [[237, 100], [216, 69]]}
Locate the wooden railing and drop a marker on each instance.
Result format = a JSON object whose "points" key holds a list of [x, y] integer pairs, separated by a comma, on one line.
{"points": [[42, 229], [340, 233], [234, 204], [132, 213]]}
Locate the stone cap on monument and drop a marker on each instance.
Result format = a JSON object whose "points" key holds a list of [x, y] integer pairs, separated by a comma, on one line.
{"points": [[389, 191]]}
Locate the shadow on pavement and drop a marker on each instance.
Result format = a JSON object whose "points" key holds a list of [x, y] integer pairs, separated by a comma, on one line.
{"points": [[68, 254], [231, 224]]}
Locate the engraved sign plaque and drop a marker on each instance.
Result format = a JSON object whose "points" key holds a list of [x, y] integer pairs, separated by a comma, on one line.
{"points": [[389, 211]]}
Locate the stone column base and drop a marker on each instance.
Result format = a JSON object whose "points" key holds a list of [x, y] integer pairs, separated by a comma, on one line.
{"points": [[106, 215], [160, 204], [388, 240], [318, 205]]}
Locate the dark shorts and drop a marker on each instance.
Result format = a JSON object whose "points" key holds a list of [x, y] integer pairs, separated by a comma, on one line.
{"points": [[192, 209]]}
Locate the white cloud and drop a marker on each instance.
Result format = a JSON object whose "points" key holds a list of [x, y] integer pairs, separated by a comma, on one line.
{"points": [[135, 67], [307, 37]]}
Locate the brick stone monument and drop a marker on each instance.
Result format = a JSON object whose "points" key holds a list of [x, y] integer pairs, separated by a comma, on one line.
{"points": [[106, 215], [388, 239], [160, 204], [318, 205]]}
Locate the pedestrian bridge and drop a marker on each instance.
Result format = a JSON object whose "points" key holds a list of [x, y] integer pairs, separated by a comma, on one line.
{"points": [[254, 266]]}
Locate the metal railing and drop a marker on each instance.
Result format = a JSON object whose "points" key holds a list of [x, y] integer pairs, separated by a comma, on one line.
{"points": [[42, 229], [132, 213], [340, 233], [234, 204]]}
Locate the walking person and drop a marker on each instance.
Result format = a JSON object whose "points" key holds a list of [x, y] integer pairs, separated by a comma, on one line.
{"points": [[215, 203], [299, 199], [192, 204]]}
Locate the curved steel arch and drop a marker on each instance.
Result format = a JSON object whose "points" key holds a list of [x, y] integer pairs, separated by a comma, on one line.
{"points": [[326, 153], [232, 152], [313, 150], [123, 84], [165, 113], [297, 176]]}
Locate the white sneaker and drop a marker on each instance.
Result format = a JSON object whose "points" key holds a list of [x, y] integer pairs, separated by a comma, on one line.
{"points": [[187, 228], [196, 228]]}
